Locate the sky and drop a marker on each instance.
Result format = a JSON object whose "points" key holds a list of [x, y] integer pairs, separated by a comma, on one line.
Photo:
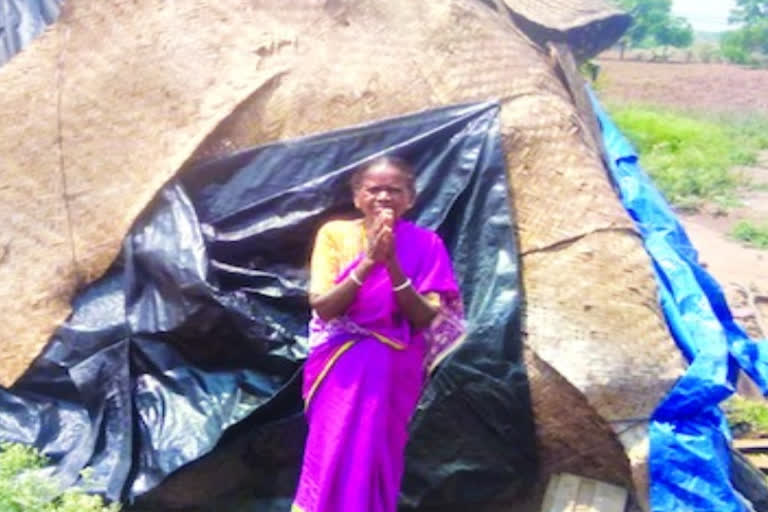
{"points": [[704, 15]]}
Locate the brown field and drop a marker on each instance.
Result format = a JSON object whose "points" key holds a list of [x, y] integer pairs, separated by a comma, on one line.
{"points": [[718, 88]]}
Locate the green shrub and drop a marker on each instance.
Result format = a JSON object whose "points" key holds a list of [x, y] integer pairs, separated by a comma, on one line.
{"points": [[22, 490], [753, 234], [733, 48], [690, 157], [707, 52], [749, 414], [747, 44]]}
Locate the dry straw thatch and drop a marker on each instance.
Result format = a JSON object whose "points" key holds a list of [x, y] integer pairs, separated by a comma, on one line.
{"points": [[120, 94]]}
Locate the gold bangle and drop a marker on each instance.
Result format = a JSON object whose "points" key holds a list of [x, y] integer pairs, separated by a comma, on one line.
{"points": [[405, 284], [354, 278]]}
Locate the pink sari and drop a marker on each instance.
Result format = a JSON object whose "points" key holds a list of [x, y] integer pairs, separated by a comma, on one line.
{"points": [[364, 377]]}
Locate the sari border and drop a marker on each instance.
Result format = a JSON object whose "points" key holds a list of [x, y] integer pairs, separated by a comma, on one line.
{"points": [[296, 508], [327, 368], [338, 353], [389, 341], [445, 353]]}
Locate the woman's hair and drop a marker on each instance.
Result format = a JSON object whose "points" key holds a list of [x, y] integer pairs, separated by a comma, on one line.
{"points": [[405, 168]]}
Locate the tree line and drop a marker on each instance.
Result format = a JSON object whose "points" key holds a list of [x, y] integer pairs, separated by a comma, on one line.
{"points": [[654, 26]]}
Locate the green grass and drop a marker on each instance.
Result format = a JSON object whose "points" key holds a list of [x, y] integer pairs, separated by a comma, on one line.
{"points": [[749, 414], [691, 156], [22, 490], [753, 234]]}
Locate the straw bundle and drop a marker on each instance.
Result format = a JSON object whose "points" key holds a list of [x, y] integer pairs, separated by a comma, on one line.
{"points": [[119, 95]]}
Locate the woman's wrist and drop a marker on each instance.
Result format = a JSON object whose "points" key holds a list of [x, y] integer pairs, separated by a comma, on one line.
{"points": [[392, 263], [402, 286], [396, 274], [363, 268]]}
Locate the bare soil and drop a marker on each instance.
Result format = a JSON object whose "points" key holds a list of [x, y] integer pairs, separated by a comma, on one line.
{"points": [[718, 88], [742, 271]]}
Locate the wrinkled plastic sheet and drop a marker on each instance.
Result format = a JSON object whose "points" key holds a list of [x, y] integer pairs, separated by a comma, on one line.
{"points": [[200, 324], [689, 435], [23, 20]]}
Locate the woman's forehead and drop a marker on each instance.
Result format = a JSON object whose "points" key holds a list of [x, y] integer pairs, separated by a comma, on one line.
{"points": [[384, 174]]}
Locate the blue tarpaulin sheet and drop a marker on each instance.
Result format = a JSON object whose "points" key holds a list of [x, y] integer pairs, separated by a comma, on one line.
{"points": [[689, 435]]}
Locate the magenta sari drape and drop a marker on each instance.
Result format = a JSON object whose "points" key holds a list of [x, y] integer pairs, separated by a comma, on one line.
{"points": [[364, 376]]}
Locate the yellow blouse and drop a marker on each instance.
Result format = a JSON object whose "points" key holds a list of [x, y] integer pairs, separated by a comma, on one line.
{"points": [[337, 243]]}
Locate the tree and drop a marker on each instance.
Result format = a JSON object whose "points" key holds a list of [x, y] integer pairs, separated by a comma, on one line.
{"points": [[739, 45], [749, 11], [647, 16], [677, 32], [653, 24]]}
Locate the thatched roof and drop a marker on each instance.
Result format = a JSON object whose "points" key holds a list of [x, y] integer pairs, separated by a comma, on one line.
{"points": [[587, 26]]}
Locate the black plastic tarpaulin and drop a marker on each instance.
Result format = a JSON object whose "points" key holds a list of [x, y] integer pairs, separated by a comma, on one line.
{"points": [[200, 324]]}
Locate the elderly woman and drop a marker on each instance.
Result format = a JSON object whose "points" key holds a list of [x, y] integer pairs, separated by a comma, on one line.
{"points": [[386, 308]]}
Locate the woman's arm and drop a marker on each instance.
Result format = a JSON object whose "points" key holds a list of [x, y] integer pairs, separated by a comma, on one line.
{"points": [[336, 301], [419, 312]]}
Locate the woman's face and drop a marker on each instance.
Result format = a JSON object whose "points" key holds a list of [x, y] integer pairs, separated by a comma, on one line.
{"points": [[383, 187]]}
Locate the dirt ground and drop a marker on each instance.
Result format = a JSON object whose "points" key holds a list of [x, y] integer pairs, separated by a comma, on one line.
{"points": [[742, 271], [718, 88], [702, 87]]}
